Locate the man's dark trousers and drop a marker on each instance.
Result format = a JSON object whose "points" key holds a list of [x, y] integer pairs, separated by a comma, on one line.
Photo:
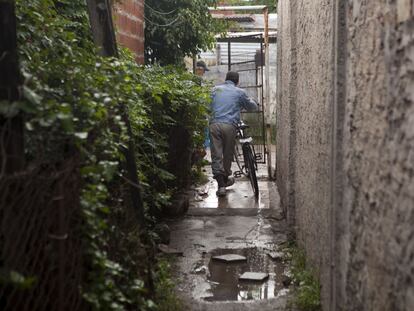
{"points": [[222, 141]]}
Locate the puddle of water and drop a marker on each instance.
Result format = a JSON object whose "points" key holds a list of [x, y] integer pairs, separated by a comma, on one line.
{"points": [[224, 277]]}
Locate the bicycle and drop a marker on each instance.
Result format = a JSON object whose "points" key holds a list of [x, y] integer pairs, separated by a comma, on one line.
{"points": [[249, 157]]}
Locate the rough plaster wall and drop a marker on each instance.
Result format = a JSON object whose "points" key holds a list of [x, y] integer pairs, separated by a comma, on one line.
{"points": [[304, 124], [282, 118], [378, 146], [313, 132], [129, 19], [379, 155]]}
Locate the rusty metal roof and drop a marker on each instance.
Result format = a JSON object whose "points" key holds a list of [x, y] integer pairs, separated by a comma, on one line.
{"points": [[241, 18]]}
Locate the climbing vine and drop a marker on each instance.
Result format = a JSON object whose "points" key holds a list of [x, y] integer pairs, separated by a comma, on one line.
{"points": [[72, 105]]}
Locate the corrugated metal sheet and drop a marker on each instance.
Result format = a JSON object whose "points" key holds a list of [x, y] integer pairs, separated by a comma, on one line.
{"points": [[240, 52], [242, 18], [250, 22]]}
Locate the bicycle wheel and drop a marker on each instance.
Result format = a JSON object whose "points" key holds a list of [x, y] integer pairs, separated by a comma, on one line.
{"points": [[254, 156], [237, 159], [250, 163]]}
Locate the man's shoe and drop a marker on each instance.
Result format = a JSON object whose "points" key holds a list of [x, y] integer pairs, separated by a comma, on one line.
{"points": [[230, 181], [221, 192]]}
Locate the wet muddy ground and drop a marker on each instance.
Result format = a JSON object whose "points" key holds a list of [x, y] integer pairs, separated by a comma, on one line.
{"points": [[239, 225], [224, 277]]}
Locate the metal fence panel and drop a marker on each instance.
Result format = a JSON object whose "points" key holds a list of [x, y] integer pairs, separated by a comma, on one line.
{"points": [[40, 239]]}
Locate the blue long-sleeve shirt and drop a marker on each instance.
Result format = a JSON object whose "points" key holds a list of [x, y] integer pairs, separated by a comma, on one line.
{"points": [[228, 101]]}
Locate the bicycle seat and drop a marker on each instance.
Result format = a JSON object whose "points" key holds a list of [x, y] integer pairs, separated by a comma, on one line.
{"points": [[243, 126]]}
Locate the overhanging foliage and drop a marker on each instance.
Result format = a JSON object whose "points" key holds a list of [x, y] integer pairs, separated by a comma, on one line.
{"points": [[178, 28], [72, 105]]}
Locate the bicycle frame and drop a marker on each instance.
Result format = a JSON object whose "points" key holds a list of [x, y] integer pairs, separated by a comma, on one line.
{"points": [[250, 165], [239, 158]]}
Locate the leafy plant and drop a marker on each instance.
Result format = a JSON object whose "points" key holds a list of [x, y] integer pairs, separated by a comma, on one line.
{"points": [[16, 279], [73, 104], [307, 287], [165, 288], [178, 28]]}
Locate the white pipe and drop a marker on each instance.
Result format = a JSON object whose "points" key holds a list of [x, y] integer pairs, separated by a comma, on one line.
{"points": [[218, 56], [267, 95], [238, 8]]}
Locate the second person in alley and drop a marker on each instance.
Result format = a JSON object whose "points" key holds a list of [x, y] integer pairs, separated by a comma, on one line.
{"points": [[228, 101]]}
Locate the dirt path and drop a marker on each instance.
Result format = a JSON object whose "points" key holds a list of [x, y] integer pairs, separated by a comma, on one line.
{"points": [[236, 224]]}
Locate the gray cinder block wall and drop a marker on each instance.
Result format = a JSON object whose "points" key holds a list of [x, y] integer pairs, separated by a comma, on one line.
{"points": [[345, 146]]}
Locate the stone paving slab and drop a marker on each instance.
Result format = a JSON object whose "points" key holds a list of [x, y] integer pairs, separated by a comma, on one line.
{"points": [[169, 250], [276, 255], [254, 276], [279, 304], [248, 212], [230, 258], [197, 212]]}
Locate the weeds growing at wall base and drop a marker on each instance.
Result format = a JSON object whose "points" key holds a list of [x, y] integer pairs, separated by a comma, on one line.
{"points": [[306, 293]]}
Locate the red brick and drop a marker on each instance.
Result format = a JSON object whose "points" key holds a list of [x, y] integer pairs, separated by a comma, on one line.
{"points": [[129, 21]]}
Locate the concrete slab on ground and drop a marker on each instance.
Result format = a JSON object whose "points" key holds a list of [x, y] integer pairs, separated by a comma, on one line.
{"points": [[235, 225], [254, 276], [230, 258]]}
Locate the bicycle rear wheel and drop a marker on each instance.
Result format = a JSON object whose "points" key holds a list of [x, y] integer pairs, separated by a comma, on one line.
{"points": [[250, 164], [237, 158]]}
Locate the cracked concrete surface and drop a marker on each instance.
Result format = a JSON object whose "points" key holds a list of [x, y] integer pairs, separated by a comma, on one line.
{"points": [[232, 225]]}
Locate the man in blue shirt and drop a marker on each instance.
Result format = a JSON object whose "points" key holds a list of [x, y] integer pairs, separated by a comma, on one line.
{"points": [[228, 101]]}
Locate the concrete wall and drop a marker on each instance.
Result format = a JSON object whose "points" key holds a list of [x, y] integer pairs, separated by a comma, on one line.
{"points": [[345, 160], [379, 154], [304, 125], [285, 126], [129, 20], [313, 123]]}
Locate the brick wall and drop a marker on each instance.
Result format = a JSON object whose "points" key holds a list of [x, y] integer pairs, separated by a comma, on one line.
{"points": [[129, 21]]}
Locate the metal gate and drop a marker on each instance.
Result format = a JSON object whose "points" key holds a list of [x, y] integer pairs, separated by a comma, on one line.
{"points": [[249, 63]]}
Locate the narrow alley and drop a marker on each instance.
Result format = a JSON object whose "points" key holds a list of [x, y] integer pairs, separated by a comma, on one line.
{"points": [[236, 224], [111, 201]]}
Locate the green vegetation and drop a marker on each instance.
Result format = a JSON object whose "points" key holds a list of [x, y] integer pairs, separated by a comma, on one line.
{"points": [[307, 287], [74, 105], [179, 28], [175, 29], [199, 177], [165, 288]]}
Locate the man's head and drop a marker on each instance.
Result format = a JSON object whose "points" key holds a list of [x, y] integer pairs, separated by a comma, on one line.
{"points": [[232, 76], [201, 68]]}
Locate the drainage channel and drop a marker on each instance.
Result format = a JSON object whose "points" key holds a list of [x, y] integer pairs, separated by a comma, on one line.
{"points": [[224, 277]]}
